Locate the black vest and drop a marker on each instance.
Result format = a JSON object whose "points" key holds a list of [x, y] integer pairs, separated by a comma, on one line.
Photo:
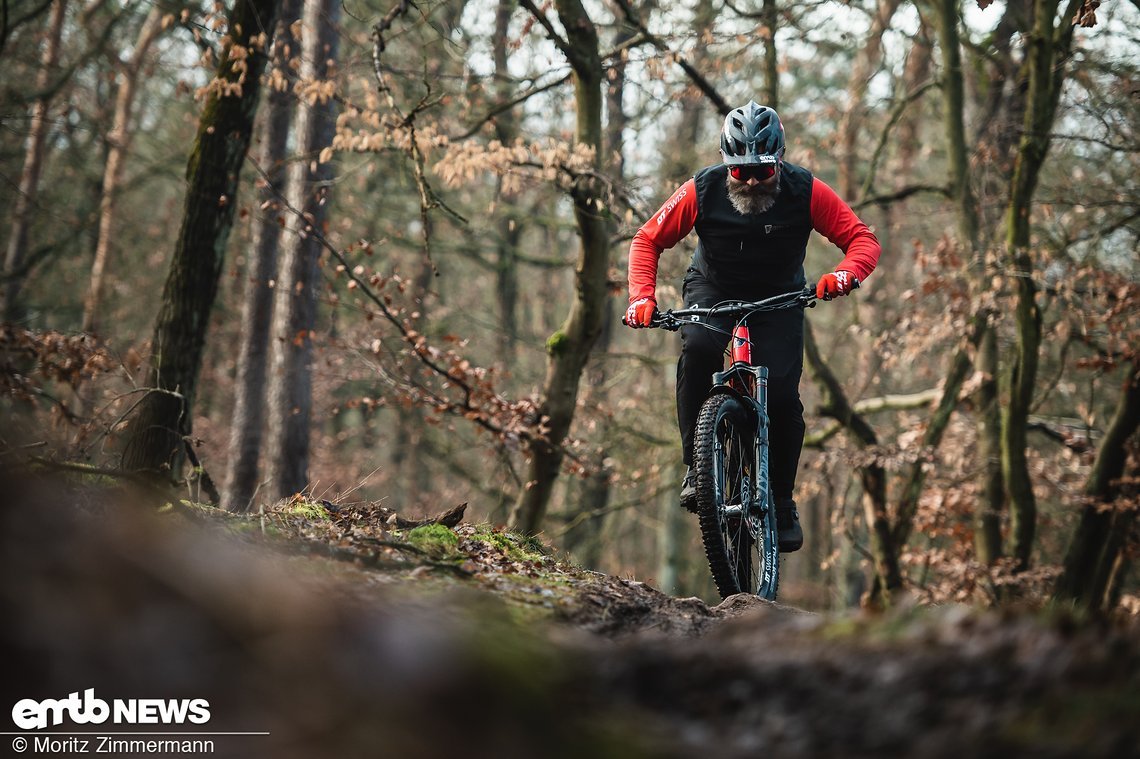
{"points": [[756, 255]]}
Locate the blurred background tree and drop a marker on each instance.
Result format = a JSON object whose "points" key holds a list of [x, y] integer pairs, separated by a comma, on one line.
{"points": [[992, 146]]}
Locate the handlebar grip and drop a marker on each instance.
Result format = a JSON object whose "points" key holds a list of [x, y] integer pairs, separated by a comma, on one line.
{"points": [[659, 321]]}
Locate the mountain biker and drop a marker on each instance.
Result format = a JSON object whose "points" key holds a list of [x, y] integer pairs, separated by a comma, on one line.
{"points": [[753, 215]]}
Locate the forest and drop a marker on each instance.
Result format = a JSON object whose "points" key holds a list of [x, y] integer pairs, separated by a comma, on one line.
{"points": [[358, 253]]}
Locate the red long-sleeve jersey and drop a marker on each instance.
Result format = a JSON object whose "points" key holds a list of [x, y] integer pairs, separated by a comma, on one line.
{"points": [[830, 216]]}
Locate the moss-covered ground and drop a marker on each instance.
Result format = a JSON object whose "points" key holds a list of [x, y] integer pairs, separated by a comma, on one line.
{"points": [[348, 631]]}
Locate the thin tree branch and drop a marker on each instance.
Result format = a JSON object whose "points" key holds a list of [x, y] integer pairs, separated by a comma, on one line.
{"points": [[903, 194], [509, 104], [874, 405], [555, 37], [896, 115], [1101, 233], [695, 76], [539, 89], [467, 408], [6, 27]]}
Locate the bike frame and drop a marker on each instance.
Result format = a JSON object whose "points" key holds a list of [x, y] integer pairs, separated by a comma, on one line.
{"points": [[748, 383]]}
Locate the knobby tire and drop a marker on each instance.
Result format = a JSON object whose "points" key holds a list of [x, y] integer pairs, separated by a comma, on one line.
{"points": [[723, 450]]}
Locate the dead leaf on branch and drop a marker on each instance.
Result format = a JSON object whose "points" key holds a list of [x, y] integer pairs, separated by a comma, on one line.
{"points": [[1086, 15]]}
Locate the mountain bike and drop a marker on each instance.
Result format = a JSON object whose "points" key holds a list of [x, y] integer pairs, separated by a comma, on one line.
{"points": [[735, 507]]}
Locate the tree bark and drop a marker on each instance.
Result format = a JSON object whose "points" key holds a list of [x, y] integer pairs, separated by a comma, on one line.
{"points": [[295, 294], [248, 420], [987, 533], [29, 186], [154, 440], [595, 490], [771, 16], [987, 515], [410, 443], [1044, 72], [1100, 535], [570, 346], [671, 532], [510, 222], [119, 141]]}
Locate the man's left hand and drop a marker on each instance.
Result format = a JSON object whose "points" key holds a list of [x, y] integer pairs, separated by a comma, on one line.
{"points": [[835, 284]]}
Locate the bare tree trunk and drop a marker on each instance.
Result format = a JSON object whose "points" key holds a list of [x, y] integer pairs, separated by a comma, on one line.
{"points": [[119, 144], [670, 540], [248, 418], [408, 444], [1107, 581], [864, 67], [594, 493], [1001, 114], [987, 532], [14, 275], [410, 455], [917, 71], [771, 15], [155, 438], [884, 549], [680, 158], [509, 224], [295, 294], [1048, 47], [1096, 547], [966, 205], [570, 346], [987, 517]]}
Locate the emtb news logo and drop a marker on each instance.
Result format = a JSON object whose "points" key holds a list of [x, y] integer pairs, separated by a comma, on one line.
{"points": [[29, 714]]}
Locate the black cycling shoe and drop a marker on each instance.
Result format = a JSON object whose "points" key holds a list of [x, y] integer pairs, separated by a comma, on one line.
{"points": [[788, 525], [689, 491]]}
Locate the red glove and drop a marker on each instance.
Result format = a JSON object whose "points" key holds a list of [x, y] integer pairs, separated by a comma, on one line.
{"points": [[835, 284], [640, 312]]}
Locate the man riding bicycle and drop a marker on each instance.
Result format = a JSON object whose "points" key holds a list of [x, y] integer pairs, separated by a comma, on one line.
{"points": [[753, 215]]}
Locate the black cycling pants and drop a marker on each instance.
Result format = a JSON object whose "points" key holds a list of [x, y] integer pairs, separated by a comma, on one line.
{"points": [[777, 343]]}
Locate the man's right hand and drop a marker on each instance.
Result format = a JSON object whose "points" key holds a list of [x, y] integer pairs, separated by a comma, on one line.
{"points": [[640, 312]]}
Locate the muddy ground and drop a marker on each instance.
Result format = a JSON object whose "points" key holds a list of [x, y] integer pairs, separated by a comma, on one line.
{"points": [[345, 631]]}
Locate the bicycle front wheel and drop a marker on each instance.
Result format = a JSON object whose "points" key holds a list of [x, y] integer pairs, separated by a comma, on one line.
{"points": [[737, 523]]}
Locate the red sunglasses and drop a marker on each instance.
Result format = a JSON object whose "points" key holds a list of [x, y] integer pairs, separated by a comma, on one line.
{"points": [[744, 173]]}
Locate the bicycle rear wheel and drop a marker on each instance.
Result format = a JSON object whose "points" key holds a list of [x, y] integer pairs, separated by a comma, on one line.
{"points": [[737, 523]]}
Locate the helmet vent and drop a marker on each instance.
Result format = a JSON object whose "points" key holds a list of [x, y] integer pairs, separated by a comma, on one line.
{"points": [[752, 134]]}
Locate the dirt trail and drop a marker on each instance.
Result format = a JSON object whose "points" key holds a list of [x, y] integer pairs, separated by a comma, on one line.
{"points": [[342, 635]]}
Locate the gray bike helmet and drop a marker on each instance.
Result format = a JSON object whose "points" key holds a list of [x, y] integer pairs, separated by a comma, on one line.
{"points": [[752, 135]]}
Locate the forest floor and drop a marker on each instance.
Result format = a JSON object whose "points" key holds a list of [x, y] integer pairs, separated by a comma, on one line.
{"points": [[348, 631]]}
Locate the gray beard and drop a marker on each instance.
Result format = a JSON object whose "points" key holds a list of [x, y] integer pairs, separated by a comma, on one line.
{"points": [[746, 202]]}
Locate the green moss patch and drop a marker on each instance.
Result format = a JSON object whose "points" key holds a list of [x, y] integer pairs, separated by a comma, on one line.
{"points": [[513, 546], [435, 540], [310, 510]]}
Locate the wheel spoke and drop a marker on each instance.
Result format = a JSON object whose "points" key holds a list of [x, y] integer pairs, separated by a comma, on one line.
{"points": [[733, 531]]}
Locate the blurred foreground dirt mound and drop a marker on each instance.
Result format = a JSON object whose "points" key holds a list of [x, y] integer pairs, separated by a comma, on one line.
{"points": [[342, 635]]}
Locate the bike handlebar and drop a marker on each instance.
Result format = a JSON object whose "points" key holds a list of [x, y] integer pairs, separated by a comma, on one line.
{"points": [[674, 319]]}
